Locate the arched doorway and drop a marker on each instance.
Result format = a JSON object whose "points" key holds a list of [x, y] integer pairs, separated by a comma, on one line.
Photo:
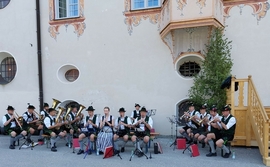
{"points": [[182, 107]]}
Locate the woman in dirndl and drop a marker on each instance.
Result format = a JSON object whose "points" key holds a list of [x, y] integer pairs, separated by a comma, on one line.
{"points": [[105, 136]]}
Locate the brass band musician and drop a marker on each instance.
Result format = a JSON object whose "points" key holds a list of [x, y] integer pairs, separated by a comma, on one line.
{"points": [[202, 129], [191, 122], [13, 127], [29, 122], [123, 124], [227, 129], [91, 123], [145, 124], [135, 113], [50, 128]]}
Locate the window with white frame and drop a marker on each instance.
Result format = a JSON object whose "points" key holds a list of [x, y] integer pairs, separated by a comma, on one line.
{"points": [[144, 4], [66, 9]]}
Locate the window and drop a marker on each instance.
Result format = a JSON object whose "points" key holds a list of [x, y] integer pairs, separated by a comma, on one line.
{"points": [[7, 70], [144, 4], [66, 9], [4, 3], [72, 75], [189, 69]]}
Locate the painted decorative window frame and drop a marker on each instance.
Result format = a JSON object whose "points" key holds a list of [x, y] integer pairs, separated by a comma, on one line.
{"points": [[78, 22], [56, 7], [260, 7], [145, 5], [133, 18]]}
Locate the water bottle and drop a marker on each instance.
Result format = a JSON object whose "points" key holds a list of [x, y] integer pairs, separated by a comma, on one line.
{"points": [[132, 153], [97, 151], [233, 155]]}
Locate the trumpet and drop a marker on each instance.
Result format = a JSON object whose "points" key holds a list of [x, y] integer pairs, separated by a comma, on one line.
{"points": [[209, 123], [191, 117], [183, 115], [201, 121]]}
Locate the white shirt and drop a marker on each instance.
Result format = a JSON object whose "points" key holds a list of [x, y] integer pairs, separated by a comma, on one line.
{"points": [[132, 113], [91, 118], [70, 117], [13, 123], [150, 122], [47, 121], [191, 114], [25, 117], [231, 122], [43, 113], [216, 116], [122, 127]]}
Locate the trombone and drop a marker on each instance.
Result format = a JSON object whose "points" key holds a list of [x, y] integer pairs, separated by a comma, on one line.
{"points": [[19, 120], [40, 116]]}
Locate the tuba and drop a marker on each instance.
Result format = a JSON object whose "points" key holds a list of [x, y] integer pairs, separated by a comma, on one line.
{"points": [[80, 110], [55, 103], [66, 118], [58, 118]]}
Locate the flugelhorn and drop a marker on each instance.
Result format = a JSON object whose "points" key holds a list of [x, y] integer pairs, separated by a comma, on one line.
{"points": [[55, 103]]}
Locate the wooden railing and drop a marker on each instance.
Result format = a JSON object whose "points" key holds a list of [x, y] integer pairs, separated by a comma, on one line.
{"points": [[251, 112]]}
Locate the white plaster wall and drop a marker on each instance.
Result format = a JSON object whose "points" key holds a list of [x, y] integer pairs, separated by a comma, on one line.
{"points": [[17, 31], [117, 70], [251, 48]]}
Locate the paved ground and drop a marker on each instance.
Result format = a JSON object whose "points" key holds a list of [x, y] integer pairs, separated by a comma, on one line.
{"points": [[41, 156]]}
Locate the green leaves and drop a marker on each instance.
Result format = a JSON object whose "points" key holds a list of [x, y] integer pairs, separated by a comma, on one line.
{"points": [[215, 69]]}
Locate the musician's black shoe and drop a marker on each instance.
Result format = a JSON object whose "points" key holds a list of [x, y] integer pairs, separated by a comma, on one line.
{"points": [[80, 152], [203, 145], [12, 147], [211, 154], [123, 149], [53, 149], [100, 153], [227, 155]]}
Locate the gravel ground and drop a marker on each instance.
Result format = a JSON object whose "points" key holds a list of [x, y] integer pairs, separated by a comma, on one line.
{"points": [[41, 156]]}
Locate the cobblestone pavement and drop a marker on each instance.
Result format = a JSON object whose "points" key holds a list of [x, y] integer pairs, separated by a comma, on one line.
{"points": [[41, 156]]}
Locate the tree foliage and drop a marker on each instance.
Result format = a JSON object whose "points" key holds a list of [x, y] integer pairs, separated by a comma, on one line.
{"points": [[214, 70]]}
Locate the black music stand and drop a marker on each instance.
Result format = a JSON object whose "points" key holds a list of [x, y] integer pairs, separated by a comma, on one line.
{"points": [[138, 150], [175, 140], [29, 141], [188, 146]]}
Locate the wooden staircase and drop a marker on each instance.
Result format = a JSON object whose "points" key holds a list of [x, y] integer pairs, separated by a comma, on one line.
{"points": [[252, 127]]}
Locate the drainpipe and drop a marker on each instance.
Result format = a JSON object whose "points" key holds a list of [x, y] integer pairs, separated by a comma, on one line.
{"points": [[40, 78]]}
